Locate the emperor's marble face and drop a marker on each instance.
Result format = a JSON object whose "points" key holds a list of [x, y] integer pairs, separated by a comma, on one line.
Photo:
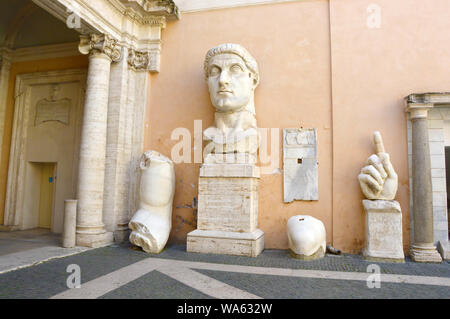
{"points": [[230, 83]]}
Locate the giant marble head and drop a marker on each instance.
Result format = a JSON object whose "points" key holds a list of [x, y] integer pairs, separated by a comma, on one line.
{"points": [[232, 76]]}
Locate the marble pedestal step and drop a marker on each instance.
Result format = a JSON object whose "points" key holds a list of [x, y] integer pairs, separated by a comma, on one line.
{"points": [[229, 243]]}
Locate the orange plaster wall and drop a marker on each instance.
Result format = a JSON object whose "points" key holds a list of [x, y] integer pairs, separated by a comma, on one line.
{"points": [[321, 67], [372, 70], [291, 44], [76, 62]]}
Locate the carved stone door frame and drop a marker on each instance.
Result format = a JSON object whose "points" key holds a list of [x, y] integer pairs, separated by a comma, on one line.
{"points": [[17, 160]]}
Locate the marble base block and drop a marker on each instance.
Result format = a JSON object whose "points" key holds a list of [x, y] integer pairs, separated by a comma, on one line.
{"points": [[384, 238], [444, 249], [226, 243], [227, 217], [94, 240]]}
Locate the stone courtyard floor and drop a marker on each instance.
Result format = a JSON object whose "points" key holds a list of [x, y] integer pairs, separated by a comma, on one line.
{"points": [[122, 271]]}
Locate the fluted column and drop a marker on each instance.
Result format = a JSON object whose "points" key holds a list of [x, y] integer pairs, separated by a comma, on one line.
{"points": [[423, 249], [102, 51]]}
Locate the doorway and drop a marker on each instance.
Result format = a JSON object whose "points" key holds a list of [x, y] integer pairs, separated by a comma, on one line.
{"points": [[47, 189]]}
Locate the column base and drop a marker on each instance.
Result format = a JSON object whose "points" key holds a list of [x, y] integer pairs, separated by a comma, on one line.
{"points": [[94, 240], [444, 249], [226, 243], [425, 253]]}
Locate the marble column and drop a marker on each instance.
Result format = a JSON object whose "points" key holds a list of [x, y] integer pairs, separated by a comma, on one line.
{"points": [[102, 51], [422, 249]]}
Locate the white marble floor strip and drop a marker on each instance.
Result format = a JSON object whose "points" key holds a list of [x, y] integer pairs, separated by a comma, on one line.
{"points": [[205, 284], [116, 279], [183, 272], [339, 275]]}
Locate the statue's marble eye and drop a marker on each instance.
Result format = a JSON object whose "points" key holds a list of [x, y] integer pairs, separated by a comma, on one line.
{"points": [[214, 71], [236, 68]]}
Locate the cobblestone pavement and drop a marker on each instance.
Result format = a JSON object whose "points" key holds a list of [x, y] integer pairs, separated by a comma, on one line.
{"points": [[124, 272]]}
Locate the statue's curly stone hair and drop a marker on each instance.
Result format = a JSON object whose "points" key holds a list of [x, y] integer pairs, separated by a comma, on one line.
{"points": [[238, 50]]}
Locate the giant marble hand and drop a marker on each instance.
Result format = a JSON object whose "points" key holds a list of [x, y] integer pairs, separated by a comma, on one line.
{"points": [[378, 180]]}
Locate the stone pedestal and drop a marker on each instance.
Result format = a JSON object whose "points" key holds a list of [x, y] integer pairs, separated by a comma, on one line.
{"points": [[384, 241], [227, 211]]}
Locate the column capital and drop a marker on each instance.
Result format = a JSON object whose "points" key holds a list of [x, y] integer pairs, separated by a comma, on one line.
{"points": [[418, 110], [95, 44]]}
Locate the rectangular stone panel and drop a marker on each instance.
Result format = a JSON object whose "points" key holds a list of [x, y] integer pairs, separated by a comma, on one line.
{"points": [[300, 167]]}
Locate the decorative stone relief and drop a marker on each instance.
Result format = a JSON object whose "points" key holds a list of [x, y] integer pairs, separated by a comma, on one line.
{"points": [[301, 180], [138, 60], [156, 7], [307, 237], [53, 109], [152, 223], [100, 44]]}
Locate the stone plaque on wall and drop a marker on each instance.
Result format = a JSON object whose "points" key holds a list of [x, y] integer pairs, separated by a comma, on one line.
{"points": [[47, 111], [301, 181], [53, 108]]}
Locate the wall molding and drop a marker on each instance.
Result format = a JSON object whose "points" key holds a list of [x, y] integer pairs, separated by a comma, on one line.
{"points": [[45, 52], [203, 5]]}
